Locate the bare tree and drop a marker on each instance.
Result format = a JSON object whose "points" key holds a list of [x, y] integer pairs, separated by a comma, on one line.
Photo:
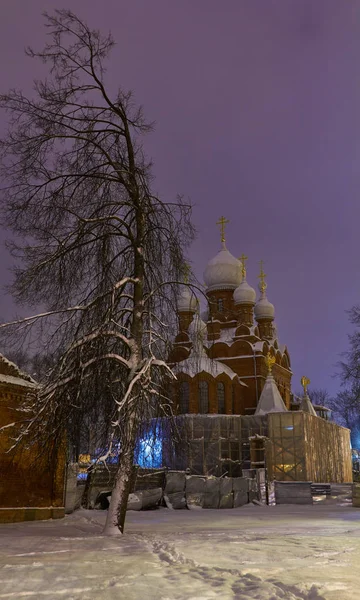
{"points": [[346, 405], [98, 250], [319, 396]]}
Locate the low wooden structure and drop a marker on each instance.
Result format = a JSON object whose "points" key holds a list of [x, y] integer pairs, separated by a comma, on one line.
{"points": [[291, 446], [30, 488], [293, 492], [304, 447]]}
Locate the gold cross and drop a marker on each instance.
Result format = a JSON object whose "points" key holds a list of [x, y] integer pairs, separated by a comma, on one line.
{"points": [[305, 382], [243, 259], [262, 285], [269, 361], [222, 222]]}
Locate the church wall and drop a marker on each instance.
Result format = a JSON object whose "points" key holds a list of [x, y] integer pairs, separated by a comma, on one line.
{"points": [[29, 489], [246, 367], [228, 311], [212, 392]]}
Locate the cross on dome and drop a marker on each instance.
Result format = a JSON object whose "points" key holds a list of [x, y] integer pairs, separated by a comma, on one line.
{"points": [[222, 222], [262, 276], [243, 258]]}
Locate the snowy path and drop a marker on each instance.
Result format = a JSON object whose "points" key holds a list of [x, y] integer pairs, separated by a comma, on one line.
{"points": [[265, 553]]}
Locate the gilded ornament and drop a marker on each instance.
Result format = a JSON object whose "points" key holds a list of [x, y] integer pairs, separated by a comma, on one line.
{"points": [[269, 361], [305, 382], [262, 284], [222, 222], [243, 259]]}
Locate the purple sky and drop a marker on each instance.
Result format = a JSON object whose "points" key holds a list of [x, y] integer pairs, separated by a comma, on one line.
{"points": [[257, 110]]}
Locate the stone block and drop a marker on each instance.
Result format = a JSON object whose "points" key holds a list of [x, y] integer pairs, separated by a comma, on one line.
{"points": [[226, 485], [175, 500], [151, 498], [240, 498], [194, 484], [194, 501], [174, 482], [240, 484], [212, 493], [293, 492], [226, 493], [195, 491], [134, 501]]}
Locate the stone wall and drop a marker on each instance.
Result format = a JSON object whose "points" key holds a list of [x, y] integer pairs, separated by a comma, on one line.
{"points": [[178, 490], [31, 487]]}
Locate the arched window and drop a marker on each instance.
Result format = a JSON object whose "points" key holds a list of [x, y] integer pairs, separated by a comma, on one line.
{"points": [[203, 397], [184, 397], [221, 398], [220, 305]]}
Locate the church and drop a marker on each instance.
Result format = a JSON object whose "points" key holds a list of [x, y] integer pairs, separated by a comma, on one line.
{"points": [[221, 358], [233, 400]]}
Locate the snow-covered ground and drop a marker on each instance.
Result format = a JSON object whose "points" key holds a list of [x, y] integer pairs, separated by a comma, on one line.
{"points": [[288, 552]]}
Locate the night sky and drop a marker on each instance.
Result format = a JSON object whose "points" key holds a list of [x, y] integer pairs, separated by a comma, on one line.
{"points": [[256, 104]]}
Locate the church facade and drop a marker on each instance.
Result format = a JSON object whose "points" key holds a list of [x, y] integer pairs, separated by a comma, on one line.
{"points": [[220, 357], [233, 388]]}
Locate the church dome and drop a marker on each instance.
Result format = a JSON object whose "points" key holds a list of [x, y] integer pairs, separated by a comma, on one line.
{"points": [[264, 309], [223, 272], [197, 327], [187, 301], [244, 293]]}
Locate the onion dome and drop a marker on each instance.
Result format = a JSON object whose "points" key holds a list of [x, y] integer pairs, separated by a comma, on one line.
{"points": [[223, 272], [197, 334], [187, 301], [197, 328], [263, 308], [244, 293]]}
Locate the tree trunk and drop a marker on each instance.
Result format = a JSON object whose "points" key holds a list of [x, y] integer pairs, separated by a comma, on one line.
{"points": [[115, 519]]}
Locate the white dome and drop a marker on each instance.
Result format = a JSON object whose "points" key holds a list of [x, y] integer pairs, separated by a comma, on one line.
{"points": [[197, 333], [244, 294], [197, 327], [187, 301], [223, 272], [264, 309]]}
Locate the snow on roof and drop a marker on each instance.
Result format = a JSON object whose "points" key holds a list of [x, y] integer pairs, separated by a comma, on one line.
{"points": [[203, 364], [14, 375], [319, 407], [195, 364], [227, 335], [258, 345], [306, 406], [16, 381], [270, 399]]}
